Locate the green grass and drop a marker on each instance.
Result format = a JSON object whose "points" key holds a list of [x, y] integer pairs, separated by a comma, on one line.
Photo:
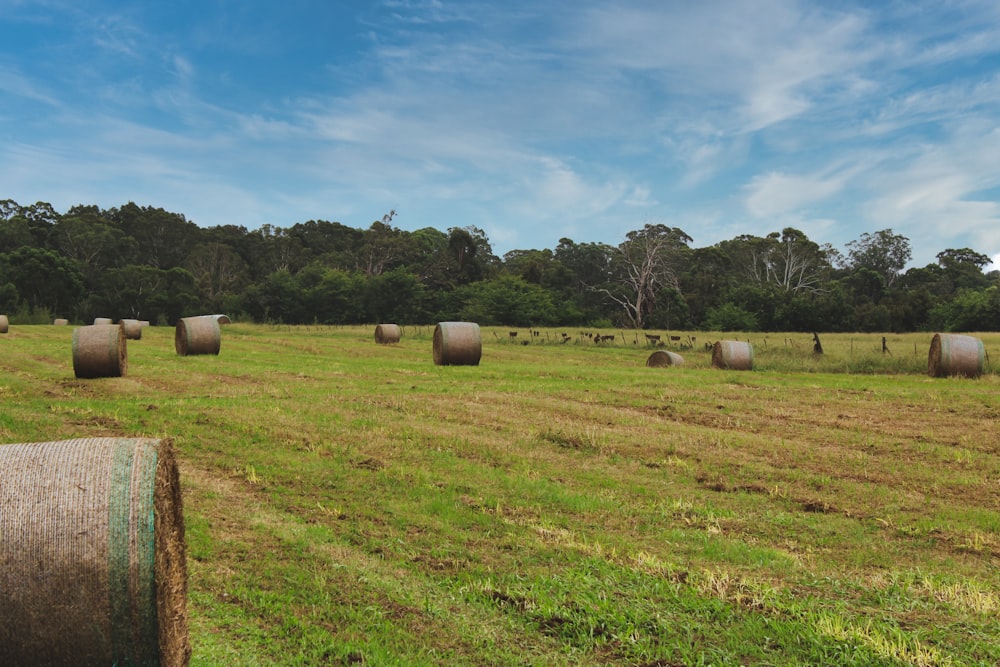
{"points": [[560, 504]]}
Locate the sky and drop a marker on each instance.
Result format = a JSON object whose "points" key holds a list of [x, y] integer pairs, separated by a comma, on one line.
{"points": [[533, 121]]}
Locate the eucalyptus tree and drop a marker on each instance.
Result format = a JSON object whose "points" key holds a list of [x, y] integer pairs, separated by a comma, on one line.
{"points": [[647, 262], [218, 271], [883, 252], [86, 237], [789, 261], [163, 239]]}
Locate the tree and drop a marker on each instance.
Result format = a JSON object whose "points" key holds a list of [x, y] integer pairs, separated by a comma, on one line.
{"points": [[509, 301], [730, 317], [217, 270], [964, 268], [883, 252], [395, 296], [788, 261], [648, 261], [87, 238], [382, 246], [470, 253], [163, 239], [43, 278], [144, 292]]}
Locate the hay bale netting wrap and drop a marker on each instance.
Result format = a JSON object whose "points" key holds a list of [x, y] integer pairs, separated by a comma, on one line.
{"points": [[955, 354], [457, 344], [197, 335], [103, 320], [132, 329], [99, 351], [386, 334], [663, 358], [92, 554], [732, 355], [4, 324]]}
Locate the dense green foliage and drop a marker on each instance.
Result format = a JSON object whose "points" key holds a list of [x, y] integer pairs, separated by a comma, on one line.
{"points": [[147, 263]]}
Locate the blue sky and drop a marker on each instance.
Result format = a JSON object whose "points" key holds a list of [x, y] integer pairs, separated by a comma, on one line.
{"points": [[531, 120]]}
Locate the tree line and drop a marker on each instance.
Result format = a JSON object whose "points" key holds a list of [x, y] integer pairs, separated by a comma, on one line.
{"points": [[151, 264]]}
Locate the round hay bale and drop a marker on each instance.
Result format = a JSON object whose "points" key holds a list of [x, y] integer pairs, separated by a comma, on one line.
{"points": [[132, 329], [99, 351], [955, 354], [103, 320], [60, 322], [387, 333], [4, 324], [197, 335], [92, 551], [663, 358], [222, 319], [732, 355], [457, 344]]}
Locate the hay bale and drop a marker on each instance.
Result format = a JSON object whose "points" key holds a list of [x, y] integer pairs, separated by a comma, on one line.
{"points": [[103, 320], [99, 351], [221, 319], [732, 355], [197, 335], [60, 322], [132, 329], [663, 358], [457, 344], [92, 556], [4, 324], [387, 333], [955, 354]]}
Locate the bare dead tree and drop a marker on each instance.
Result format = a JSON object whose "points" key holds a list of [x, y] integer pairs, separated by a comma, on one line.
{"points": [[644, 264]]}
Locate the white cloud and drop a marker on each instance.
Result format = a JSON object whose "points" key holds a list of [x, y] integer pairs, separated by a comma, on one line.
{"points": [[777, 193]]}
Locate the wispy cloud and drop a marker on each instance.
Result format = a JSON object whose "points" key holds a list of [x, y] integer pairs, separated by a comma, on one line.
{"points": [[531, 120]]}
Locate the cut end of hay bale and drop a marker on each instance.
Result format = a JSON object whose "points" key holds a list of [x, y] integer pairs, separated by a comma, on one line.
{"points": [[732, 355], [4, 324], [103, 320], [60, 322], [955, 355], [93, 552], [386, 334], [663, 358], [457, 344], [171, 561], [197, 335], [99, 351]]}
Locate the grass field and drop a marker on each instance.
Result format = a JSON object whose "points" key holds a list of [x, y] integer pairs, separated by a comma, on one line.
{"points": [[560, 504]]}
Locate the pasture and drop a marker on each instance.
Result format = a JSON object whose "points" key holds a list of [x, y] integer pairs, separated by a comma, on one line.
{"points": [[561, 503]]}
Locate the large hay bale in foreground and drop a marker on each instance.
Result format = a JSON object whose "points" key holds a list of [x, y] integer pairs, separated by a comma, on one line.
{"points": [[732, 355], [92, 555], [197, 335], [132, 329], [99, 351], [664, 358], [103, 320], [4, 324], [457, 344], [955, 354], [387, 333]]}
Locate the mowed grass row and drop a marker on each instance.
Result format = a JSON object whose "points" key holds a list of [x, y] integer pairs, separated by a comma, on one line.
{"points": [[560, 504]]}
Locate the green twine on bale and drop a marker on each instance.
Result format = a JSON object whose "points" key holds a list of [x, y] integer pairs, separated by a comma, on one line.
{"points": [[92, 564]]}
